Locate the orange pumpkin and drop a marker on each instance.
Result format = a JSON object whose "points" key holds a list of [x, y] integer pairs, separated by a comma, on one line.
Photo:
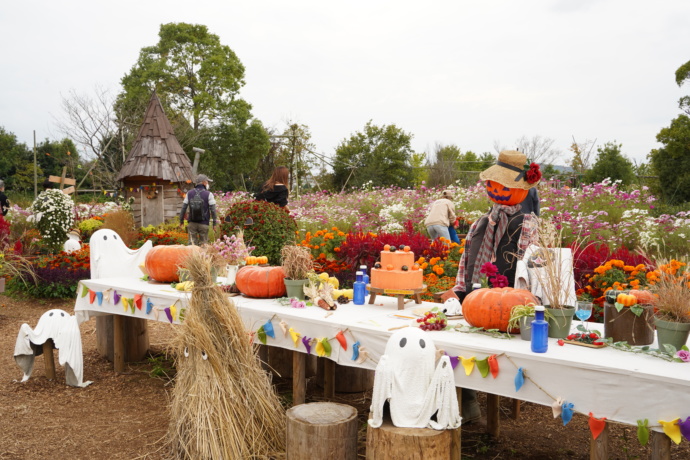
{"points": [[627, 300], [505, 195], [490, 308], [162, 262], [261, 282], [644, 297]]}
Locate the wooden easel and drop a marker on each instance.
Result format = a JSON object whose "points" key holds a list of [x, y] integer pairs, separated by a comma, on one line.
{"points": [[64, 180], [399, 293]]}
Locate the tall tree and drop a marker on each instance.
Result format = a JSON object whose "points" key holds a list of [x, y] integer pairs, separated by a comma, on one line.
{"points": [[445, 165], [682, 77], [13, 156], [379, 154], [295, 150], [671, 163], [611, 163]]}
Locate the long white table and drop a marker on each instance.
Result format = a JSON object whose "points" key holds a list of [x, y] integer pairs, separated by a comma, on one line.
{"points": [[620, 386]]}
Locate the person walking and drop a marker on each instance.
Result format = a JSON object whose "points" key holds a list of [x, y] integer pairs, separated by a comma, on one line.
{"points": [[276, 190], [441, 216], [4, 202], [202, 208]]}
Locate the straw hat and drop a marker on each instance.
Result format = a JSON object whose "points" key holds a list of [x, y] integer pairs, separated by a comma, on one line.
{"points": [[510, 171]]}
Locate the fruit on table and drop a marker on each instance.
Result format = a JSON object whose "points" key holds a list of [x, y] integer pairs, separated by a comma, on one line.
{"points": [[490, 308], [432, 321], [627, 300], [261, 282], [162, 262], [185, 286]]}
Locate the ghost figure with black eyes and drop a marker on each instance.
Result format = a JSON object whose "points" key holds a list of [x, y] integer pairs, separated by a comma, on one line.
{"points": [[63, 329], [111, 258], [420, 393]]}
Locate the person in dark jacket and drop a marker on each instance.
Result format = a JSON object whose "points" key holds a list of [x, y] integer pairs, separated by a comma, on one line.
{"points": [[4, 202], [198, 230], [275, 190], [531, 202]]}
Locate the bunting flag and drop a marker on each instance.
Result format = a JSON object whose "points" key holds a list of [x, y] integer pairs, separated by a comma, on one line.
{"points": [[493, 365], [137, 300], [283, 325], [671, 429], [92, 296], [519, 379], [355, 351], [268, 329], [363, 355], [261, 334], [130, 302], [685, 428], [454, 360], [295, 336], [643, 431], [597, 425], [171, 312], [556, 407], [125, 303], [567, 412], [320, 352], [116, 297], [84, 291], [99, 296], [326, 346], [250, 335], [307, 344], [149, 306], [468, 364], [341, 340], [106, 294]]}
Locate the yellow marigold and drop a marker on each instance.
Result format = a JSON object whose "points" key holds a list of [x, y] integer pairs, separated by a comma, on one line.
{"points": [[372, 234], [424, 265], [635, 283], [628, 268], [600, 270], [640, 267], [341, 234], [617, 263], [322, 255], [420, 260], [438, 270], [335, 229]]}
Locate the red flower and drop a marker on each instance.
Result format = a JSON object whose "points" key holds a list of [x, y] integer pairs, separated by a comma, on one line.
{"points": [[499, 281], [489, 269], [533, 174]]}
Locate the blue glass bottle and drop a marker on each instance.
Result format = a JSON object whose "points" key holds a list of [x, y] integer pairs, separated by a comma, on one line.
{"points": [[359, 289], [365, 278], [540, 331]]}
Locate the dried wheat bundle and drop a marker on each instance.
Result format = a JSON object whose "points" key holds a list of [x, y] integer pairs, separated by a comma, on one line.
{"points": [[223, 404]]}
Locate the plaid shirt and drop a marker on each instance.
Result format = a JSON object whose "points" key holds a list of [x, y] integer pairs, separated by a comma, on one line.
{"points": [[528, 236]]}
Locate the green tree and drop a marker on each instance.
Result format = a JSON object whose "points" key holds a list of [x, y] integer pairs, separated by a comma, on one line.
{"points": [[295, 151], [682, 77], [52, 156], [419, 171], [611, 163], [13, 156], [671, 163], [445, 166], [380, 154]]}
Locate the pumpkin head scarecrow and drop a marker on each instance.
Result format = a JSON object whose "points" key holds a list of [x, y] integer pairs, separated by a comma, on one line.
{"points": [[502, 235]]}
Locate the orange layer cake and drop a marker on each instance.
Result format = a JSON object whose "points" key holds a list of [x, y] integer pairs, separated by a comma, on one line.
{"points": [[391, 274]]}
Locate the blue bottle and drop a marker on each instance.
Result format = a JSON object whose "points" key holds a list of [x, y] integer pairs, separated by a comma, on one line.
{"points": [[540, 331], [359, 289], [365, 277]]}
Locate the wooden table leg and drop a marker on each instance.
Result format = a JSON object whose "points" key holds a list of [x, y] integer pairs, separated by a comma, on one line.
{"points": [[328, 378], [493, 426], [661, 446], [458, 394], [49, 359], [599, 448], [118, 343], [401, 302], [299, 380], [515, 412], [372, 297]]}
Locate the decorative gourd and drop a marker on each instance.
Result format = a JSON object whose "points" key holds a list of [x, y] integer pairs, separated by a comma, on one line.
{"points": [[505, 195], [261, 282], [644, 297], [627, 300], [611, 295], [490, 308], [163, 261]]}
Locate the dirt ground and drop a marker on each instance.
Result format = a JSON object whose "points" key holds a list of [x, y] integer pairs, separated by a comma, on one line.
{"points": [[125, 416]]}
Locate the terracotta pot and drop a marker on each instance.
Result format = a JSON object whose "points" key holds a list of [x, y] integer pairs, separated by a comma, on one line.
{"points": [[625, 326]]}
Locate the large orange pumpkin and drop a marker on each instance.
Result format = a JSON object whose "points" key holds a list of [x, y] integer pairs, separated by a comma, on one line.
{"points": [[163, 261], [505, 195], [644, 297], [490, 308], [261, 282]]}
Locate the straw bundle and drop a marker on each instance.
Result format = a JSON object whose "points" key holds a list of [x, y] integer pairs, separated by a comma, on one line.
{"points": [[223, 404]]}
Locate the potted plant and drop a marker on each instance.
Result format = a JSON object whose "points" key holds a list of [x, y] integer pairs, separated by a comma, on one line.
{"points": [[297, 265], [672, 318], [230, 252], [522, 316], [628, 316]]}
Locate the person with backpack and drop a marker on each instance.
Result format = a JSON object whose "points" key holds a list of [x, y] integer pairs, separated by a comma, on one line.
{"points": [[202, 208]]}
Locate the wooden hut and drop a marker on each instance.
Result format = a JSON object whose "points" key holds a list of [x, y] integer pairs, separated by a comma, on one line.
{"points": [[157, 172]]}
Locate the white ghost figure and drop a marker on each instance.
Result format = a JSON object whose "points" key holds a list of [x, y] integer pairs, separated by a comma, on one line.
{"points": [[111, 258], [415, 390], [73, 243], [452, 307], [64, 330]]}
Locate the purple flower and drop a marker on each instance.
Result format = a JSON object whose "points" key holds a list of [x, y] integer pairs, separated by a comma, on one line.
{"points": [[684, 355]]}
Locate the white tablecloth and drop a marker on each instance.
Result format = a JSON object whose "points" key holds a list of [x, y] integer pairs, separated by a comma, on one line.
{"points": [[609, 383]]}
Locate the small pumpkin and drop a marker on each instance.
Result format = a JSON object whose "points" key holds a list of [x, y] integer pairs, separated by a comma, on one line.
{"points": [[644, 297], [163, 261], [415, 266], [505, 195], [490, 308], [261, 282], [627, 300], [611, 295], [386, 247], [406, 249]]}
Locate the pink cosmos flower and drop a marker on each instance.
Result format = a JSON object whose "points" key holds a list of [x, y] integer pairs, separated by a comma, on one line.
{"points": [[684, 355]]}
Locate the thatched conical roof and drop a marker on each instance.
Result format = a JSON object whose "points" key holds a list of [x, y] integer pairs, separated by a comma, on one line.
{"points": [[157, 152]]}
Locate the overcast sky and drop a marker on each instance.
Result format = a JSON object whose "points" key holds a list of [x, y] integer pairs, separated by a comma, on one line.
{"points": [[449, 72]]}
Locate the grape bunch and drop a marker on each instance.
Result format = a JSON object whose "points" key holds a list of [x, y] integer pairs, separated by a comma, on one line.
{"points": [[432, 321]]}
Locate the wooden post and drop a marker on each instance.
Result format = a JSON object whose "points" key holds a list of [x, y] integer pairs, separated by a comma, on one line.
{"points": [[135, 337], [493, 424], [299, 380], [515, 412], [321, 430], [328, 378], [118, 343], [661, 446], [390, 442], [49, 359], [599, 448]]}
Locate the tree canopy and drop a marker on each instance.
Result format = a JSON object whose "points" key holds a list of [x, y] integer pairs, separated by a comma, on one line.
{"points": [[611, 163], [671, 163]]}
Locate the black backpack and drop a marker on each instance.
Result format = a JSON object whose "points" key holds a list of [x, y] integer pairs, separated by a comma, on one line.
{"points": [[196, 208]]}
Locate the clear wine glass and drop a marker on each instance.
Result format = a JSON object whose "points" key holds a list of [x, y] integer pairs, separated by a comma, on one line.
{"points": [[584, 311]]}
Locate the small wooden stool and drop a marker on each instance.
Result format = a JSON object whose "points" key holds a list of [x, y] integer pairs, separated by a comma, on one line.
{"points": [[391, 442], [322, 430], [399, 293]]}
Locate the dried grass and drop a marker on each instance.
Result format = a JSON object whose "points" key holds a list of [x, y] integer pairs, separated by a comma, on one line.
{"points": [[673, 290], [122, 223], [224, 406], [296, 262]]}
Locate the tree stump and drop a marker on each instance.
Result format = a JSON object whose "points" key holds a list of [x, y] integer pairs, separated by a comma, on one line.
{"points": [[322, 430], [391, 442], [135, 337]]}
